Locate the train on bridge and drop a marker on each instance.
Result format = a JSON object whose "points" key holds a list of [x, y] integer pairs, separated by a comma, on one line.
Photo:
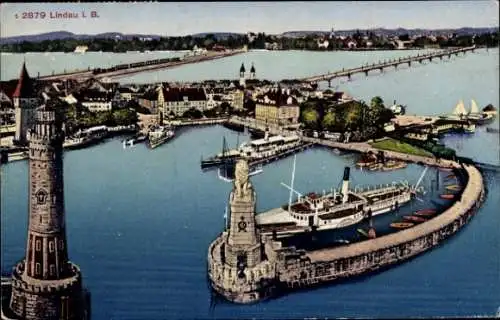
{"points": [[125, 66]]}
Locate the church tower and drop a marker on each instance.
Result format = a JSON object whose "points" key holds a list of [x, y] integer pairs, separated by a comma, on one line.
{"points": [[25, 102], [252, 72], [242, 75], [243, 249], [45, 284]]}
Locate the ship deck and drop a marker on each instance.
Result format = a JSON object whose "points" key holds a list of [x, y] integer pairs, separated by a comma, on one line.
{"points": [[274, 216]]}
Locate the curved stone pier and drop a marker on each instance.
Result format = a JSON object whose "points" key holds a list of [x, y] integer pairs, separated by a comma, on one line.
{"points": [[288, 268]]}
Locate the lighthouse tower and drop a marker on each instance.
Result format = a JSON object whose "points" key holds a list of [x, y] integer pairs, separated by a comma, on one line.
{"points": [[45, 284], [25, 102], [242, 75]]}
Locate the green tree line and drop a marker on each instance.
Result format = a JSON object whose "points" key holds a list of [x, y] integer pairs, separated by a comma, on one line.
{"points": [[364, 121], [208, 41]]}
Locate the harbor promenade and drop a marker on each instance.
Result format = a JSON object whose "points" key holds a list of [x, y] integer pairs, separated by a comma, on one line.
{"points": [[386, 64], [198, 122], [138, 67]]}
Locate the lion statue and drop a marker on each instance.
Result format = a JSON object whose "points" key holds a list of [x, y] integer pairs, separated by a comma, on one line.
{"points": [[241, 182]]}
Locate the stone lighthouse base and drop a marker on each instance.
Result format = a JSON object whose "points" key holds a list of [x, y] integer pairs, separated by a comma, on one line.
{"points": [[34, 299], [255, 284]]}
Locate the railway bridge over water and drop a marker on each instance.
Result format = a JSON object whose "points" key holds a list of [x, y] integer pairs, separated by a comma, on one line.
{"points": [[387, 64]]}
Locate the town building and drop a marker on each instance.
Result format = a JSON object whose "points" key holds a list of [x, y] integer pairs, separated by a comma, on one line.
{"points": [[46, 284], [177, 100], [238, 99], [277, 107], [7, 113], [149, 100], [95, 100], [25, 101]]}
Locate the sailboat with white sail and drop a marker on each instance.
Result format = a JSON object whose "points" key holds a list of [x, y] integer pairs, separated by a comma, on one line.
{"points": [[478, 116], [459, 110]]}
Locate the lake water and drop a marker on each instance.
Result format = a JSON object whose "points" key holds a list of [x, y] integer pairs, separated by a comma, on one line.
{"points": [[139, 222]]}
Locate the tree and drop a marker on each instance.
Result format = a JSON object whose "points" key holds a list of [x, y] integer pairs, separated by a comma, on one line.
{"points": [[352, 118], [329, 121], [192, 113], [377, 102], [310, 117], [125, 117]]}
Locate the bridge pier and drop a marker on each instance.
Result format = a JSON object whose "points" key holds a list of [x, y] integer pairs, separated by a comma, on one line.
{"points": [[329, 83], [349, 76], [366, 73], [430, 59], [409, 63], [381, 69]]}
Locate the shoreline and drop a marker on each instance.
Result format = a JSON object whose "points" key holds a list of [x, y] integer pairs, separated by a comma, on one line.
{"points": [[250, 50]]}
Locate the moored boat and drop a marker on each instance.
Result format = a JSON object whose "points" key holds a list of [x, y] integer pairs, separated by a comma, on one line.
{"points": [[338, 208], [454, 187], [87, 137], [447, 196], [159, 135], [450, 176], [255, 150], [425, 212], [402, 225], [414, 219]]}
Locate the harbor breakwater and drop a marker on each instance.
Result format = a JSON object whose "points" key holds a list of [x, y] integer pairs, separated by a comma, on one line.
{"points": [[282, 269]]}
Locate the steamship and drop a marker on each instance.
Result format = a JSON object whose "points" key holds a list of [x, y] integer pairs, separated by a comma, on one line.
{"points": [[159, 135], [335, 209], [254, 150]]}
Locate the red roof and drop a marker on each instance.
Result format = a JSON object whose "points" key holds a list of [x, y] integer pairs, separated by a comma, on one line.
{"points": [[178, 94], [24, 85], [8, 87]]}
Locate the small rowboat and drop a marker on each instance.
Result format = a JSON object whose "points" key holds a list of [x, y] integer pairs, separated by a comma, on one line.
{"points": [[446, 169], [450, 176], [371, 233], [447, 196], [402, 225], [425, 212], [414, 219], [363, 232], [454, 187]]}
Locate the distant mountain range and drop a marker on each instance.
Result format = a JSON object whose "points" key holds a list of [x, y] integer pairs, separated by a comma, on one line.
{"points": [[223, 35], [59, 35]]}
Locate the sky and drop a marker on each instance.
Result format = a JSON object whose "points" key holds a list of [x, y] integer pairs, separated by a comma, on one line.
{"points": [[182, 18]]}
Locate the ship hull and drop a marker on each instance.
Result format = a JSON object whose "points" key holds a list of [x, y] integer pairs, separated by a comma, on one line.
{"points": [[158, 142], [377, 208]]}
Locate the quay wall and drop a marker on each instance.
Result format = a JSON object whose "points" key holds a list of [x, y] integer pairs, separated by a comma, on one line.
{"points": [[325, 265]]}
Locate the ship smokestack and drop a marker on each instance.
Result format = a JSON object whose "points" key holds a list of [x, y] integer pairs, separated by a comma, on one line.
{"points": [[345, 184]]}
